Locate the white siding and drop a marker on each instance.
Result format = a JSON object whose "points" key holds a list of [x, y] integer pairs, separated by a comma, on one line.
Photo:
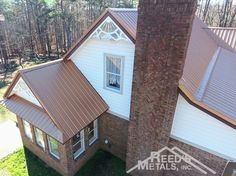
{"points": [[89, 58], [22, 90], [201, 130]]}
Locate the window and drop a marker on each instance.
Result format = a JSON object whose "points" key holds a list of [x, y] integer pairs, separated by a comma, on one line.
{"points": [[53, 147], [39, 138], [113, 72], [92, 132], [27, 129], [78, 144]]}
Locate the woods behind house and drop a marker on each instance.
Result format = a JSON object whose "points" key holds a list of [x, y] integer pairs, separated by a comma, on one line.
{"points": [[46, 29]]}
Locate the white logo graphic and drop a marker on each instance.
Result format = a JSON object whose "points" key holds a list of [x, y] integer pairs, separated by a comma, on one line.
{"points": [[158, 161]]}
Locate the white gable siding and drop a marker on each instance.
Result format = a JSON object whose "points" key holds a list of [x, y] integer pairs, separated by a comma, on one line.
{"points": [[89, 58], [22, 90], [199, 129]]}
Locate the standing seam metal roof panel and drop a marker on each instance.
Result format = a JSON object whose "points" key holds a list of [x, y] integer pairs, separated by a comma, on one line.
{"points": [[66, 95]]}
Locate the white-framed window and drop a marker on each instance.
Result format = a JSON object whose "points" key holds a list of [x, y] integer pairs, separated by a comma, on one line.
{"points": [[78, 144], [113, 72], [53, 147], [27, 129], [39, 138], [93, 132]]}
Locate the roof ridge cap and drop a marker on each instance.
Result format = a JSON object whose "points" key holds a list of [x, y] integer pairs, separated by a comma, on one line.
{"points": [[207, 75], [40, 66], [123, 9]]}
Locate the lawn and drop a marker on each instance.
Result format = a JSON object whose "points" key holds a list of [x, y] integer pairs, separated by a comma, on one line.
{"points": [[101, 164], [4, 113]]}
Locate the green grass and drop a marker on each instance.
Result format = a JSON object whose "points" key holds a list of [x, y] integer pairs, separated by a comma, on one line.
{"points": [[4, 113], [101, 164]]}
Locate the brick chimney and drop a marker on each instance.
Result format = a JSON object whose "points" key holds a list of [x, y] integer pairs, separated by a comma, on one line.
{"points": [[163, 32]]}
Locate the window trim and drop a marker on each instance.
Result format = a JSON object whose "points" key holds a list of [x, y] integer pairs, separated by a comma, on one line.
{"points": [[120, 91], [24, 126], [50, 150], [82, 145], [35, 131], [95, 137]]}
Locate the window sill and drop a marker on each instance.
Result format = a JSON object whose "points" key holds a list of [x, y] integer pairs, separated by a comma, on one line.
{"points": [[79, 155], [92, 141], [42, 148], [57, 158], [113, 90]]}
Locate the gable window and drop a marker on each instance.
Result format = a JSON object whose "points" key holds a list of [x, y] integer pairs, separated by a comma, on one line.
{"points": [[53, 147], [27, 129], [113, 72], [93, 132], [78, 144], [39, 138]]}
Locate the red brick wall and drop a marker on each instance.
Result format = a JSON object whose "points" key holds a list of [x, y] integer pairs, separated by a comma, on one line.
{"points": [[67, 166], [214, 162], [59, 165], [115, 130], [163, 33]]}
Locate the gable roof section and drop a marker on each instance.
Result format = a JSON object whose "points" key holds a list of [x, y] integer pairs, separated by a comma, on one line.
{"points": [[65, 94], [34, 115], [203, 46], [225, 37], [125, 19]]}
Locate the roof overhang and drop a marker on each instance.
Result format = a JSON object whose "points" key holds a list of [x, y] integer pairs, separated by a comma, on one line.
{"points": [[93, 27]]}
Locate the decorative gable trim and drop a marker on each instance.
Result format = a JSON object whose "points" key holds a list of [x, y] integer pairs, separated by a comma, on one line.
{"points": [[94, 26], [108, 30], [22, 90]]}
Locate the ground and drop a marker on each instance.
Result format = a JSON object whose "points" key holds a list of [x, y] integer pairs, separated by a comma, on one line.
{"points": [[12, 141], [101, 164]]}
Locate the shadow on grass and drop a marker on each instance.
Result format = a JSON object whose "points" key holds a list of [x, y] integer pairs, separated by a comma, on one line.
{"points": [[36, 167], [101, 164]]}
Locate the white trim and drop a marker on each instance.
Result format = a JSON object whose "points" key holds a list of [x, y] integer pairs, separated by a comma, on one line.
{"points": [[108, 20], [82, 145], [27, 125], [49, 146], [122, 58], [95, 129], [37, 131]]}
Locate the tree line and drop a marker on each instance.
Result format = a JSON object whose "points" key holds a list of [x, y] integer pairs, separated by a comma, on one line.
{"points": [[217, 12], [47, 28]]}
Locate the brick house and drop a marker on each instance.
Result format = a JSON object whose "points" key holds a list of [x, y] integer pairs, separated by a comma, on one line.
{"points": [[68, 109]]}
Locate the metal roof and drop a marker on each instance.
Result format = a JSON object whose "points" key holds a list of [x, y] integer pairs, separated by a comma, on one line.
{"points": [[34, 115], [65, 94], [203, 45]]}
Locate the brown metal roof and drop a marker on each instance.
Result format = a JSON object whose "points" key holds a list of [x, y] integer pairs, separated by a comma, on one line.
{"points": [[220, 92], [224, 37], [65, 94], [34, 115], [199, 54], [126, 19], [203, 45]]}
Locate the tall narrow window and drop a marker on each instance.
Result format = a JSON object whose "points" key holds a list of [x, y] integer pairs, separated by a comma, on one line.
{"points": [[113, 72], [27, 129], [93, 132], [78, 144], [39, 138], [53, 147]]}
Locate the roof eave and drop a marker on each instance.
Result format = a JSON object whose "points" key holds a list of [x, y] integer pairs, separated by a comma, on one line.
{"points": [[228, 121], [89, 31]]}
